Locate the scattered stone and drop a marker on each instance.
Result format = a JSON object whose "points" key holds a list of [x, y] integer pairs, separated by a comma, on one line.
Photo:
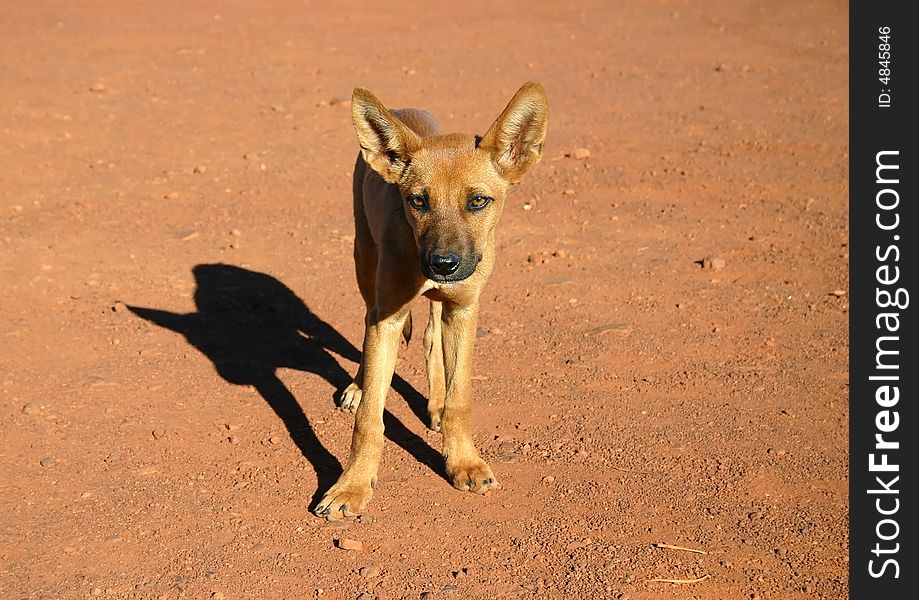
{"points": [[96, 591], [558, 281], [364, 596], [507, 451], [369, 572], [32, 408], [171, 195], [449, 588], [231, 426], [348, 544], [200, 169], [714, 263], [159, 433], [568, 192], [838, 293], [622, 328], [274, 440], [97, 88], [581, 153], [527, 206], [577, 545], [120, 307], [47, 461], [548, 479], [235, 232], [259, 548], [233, 439], [217, 596]]}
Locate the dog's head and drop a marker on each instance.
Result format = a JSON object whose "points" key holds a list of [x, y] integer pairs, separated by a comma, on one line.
{"points": [[453, 186]]}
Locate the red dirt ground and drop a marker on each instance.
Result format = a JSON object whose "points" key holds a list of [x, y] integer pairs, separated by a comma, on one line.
{"points": [[179, 306]]}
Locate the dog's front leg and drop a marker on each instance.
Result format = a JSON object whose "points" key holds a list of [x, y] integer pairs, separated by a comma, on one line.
{"points": [[353, 490], [466, 470]]}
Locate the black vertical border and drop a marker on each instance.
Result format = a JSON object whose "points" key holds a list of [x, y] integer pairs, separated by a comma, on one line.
{"points": [[874, 129]]}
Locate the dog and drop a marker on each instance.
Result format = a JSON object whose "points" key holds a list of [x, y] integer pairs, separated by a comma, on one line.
{"points": [[425, 209]]}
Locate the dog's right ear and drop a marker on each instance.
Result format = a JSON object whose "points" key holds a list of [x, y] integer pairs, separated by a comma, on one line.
{"points": [[386, 142]]}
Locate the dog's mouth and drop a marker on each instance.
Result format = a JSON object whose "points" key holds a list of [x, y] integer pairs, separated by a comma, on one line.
{"points": [[448, 268]]}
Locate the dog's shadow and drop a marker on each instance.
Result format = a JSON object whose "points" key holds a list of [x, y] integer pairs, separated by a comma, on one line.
{"points": [[249, 325]]}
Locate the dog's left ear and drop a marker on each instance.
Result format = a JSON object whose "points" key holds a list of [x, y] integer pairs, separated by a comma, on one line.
{"points": [[516, 138], [386, 142]]}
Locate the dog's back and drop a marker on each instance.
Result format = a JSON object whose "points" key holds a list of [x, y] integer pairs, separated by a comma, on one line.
{"points": [[420, 121]]}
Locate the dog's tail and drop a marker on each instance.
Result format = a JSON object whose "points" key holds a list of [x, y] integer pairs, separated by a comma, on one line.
{"points": [[407, 329]]}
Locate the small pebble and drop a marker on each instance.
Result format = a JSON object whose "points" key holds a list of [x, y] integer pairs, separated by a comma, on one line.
{"points": [[97, 88], [348, 544], [713, 262], [548, 479], [159, 433], [581, 153], [32, 408], [369, 572], [217, 596], [48, 461]]}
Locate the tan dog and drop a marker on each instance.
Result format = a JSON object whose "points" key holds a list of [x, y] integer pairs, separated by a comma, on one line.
{"points": [[425, 209]]}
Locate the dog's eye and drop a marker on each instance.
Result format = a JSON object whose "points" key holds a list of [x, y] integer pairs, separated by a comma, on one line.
{"points": [[417, 201], [478, 202]]}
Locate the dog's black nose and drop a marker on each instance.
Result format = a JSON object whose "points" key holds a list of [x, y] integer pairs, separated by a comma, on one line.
{"points": [[444, 264]]}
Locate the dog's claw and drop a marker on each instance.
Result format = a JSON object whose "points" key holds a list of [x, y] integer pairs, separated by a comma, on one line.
{"points": [[472, 476], [344, 501], [350, 398]]}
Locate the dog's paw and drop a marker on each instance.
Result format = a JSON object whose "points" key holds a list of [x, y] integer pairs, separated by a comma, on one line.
{"points": [[350, 398], [472, 476], [344, 500], [434, 420]]}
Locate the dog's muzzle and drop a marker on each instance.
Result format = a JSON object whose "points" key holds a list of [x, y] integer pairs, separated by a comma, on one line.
{"points": [[447, 267]]}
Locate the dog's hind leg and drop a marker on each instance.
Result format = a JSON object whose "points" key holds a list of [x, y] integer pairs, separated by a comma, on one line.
{"points": [[434, 360]]}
